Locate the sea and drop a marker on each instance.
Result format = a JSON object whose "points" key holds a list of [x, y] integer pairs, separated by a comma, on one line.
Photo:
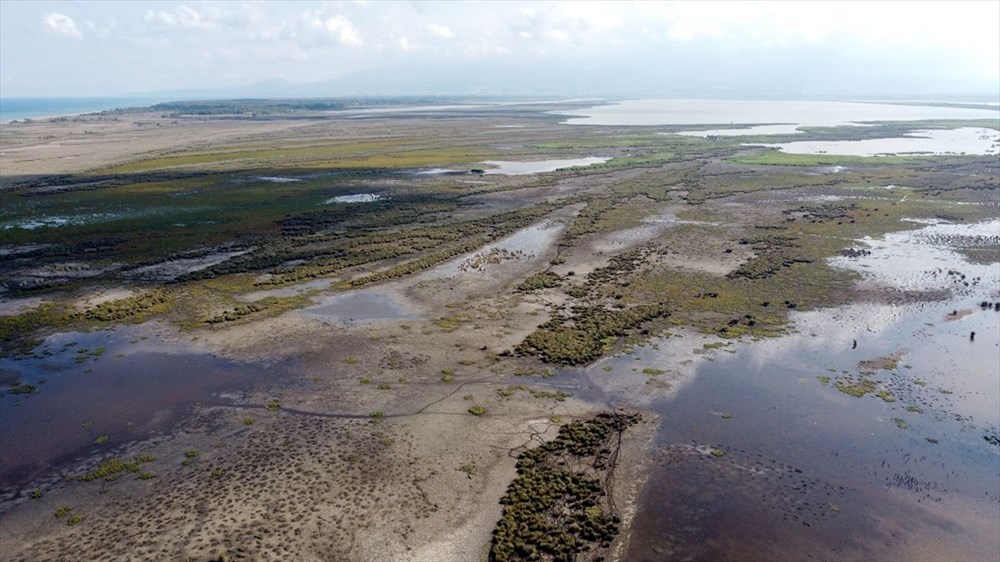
{"points": [[16, 109]]}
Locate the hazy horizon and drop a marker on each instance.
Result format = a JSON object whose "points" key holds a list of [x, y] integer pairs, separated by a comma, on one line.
{"points": [[671, 49]]}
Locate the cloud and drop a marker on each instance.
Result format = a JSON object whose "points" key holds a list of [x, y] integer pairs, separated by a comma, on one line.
{"points": [[181, 16], [439, 30], [557, 35], [63, 24], [689, 29], [337, 27]]}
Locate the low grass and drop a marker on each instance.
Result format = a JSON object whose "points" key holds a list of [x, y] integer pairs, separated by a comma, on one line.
{"points": [[111, 468], [778, 158], [375, 154], [855, 387]]}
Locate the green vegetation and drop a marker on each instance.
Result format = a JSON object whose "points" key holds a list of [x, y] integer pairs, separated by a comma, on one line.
{"points": [[553, 511], [885, 395], [23, 388], [543, 280], [477, 410], [36, 494], [112, 468], [248, 420], [542, 372], [855, 387], [558, 395], [509, 391], [101, 439], [132, 309], [578, 338], [269, 305]]}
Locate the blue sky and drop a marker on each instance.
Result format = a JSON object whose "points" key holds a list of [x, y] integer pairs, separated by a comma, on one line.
{"points": [[108, 48]]}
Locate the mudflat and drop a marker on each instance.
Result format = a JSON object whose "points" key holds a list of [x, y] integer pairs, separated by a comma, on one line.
{"points": [[320, 336]]}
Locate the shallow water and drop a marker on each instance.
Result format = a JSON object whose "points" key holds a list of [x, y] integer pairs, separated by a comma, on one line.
{"points": [[515, 168], [382, 302], [363, 305], [523, 244], [57, 221], [651, 227], [964, 140], [315, 284], [923, 259], [356, 198], [440, 172], [278, 179], [753, 112], [758, 130], [136, 387], [758, 457]]}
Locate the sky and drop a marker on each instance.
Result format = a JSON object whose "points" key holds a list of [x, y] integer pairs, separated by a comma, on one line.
{"points": [[380, 47]]}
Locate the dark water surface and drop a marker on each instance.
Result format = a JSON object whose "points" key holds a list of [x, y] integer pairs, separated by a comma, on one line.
{"points": [[124, 385], [760, 457]]}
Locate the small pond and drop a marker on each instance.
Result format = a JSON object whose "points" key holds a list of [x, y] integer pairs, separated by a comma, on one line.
{"points": [[516, 168]]}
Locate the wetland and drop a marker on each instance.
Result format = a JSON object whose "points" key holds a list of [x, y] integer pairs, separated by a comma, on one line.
{"points": [[435, 330]]}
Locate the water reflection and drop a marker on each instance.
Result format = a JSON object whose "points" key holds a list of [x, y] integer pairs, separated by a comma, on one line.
{"points": [[965, 140], [125, 384], [517, 168]]}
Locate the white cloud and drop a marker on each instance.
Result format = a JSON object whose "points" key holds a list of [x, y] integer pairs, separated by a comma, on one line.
{"points": [[688, 29], [557, 35], [439, 30], [337, 27], [181, 16], [63, 24], [961, 37]]}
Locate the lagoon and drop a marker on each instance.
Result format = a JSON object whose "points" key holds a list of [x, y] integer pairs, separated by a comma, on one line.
{"points": [[747, 112], [964, 140]]}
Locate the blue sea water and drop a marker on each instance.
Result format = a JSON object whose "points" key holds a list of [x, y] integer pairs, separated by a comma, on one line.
{"points": [[12, 109]]}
